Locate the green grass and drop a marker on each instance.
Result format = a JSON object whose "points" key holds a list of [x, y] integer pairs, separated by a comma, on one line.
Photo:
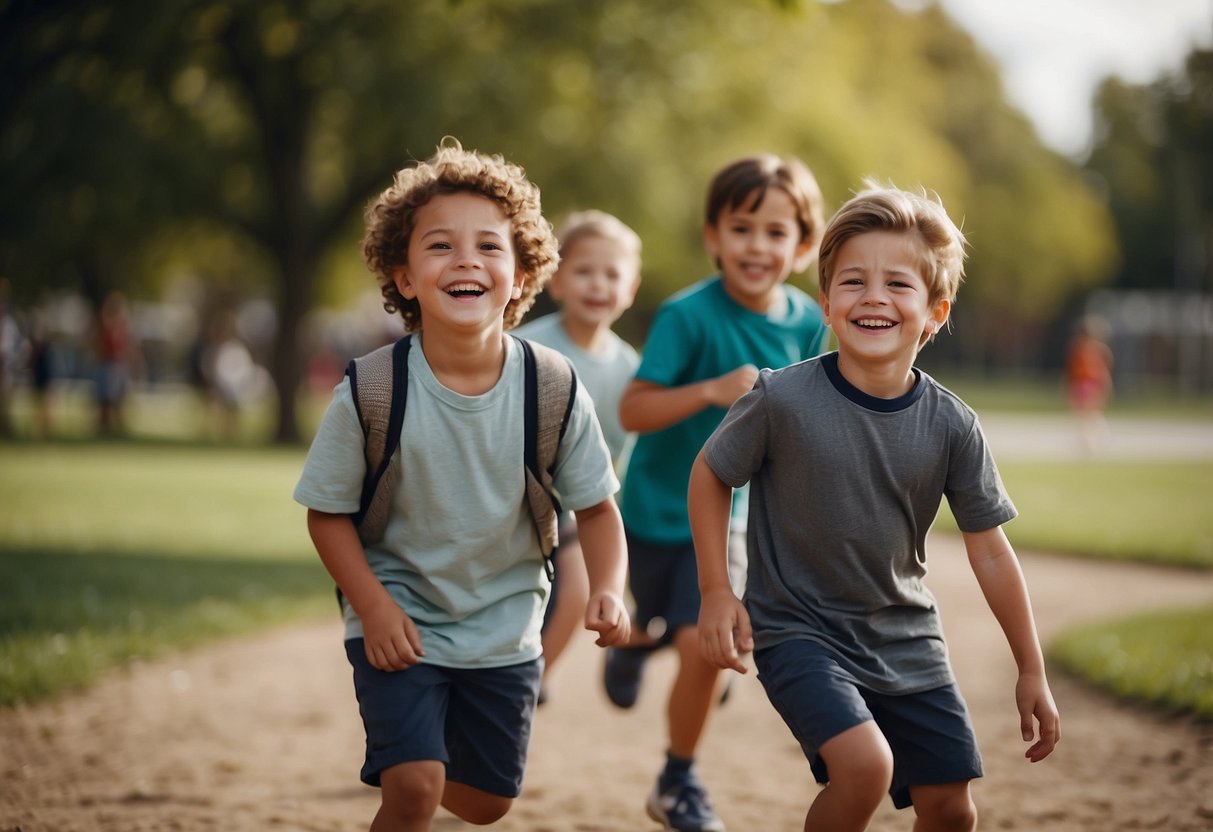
{"points": [[116, 551], [1162, 658], [1155, 512], [1044, 394]]}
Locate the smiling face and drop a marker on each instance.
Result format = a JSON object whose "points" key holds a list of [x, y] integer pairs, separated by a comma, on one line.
{"points": [[596, 281], [757, 247], [878, 303], [461, 266]]}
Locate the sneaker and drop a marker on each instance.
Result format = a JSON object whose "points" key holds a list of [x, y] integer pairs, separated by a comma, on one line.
{"points": [[683, 807], [622, 672]]}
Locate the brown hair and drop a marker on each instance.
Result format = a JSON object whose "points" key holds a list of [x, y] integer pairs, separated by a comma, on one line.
{"points": [[391, 217], [750, 178]]}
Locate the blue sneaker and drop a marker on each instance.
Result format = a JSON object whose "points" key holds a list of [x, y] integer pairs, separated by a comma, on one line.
{"points": [[622, 672], [683, 806]]}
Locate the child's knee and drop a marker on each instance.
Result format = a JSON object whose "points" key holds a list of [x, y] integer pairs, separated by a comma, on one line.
{"points": [[947, 808], [475, 806], [412, 789], [860, 759]]}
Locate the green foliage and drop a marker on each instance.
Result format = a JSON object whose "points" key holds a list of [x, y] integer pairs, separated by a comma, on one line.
{"points": [[115, 552], [1153, 157], [1161, 658], [1154, 512], [185, 135]]}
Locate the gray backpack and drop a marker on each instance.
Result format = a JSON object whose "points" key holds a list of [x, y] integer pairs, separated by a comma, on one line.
{"points": [[379, 386]]}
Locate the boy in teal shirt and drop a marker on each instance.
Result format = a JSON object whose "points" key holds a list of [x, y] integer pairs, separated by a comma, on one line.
{"points": [[763, 222]]}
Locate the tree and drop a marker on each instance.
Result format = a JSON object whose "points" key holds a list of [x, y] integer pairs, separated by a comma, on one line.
{"points": [[1153, 154], [267, 125]]}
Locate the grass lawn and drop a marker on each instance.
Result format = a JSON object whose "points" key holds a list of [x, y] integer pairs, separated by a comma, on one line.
{"points": [[115, 551], [1155, 512], [1161, 658]]}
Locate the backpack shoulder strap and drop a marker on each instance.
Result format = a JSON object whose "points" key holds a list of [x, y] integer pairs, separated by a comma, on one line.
{"points": [[551, 387], [379, 386]]}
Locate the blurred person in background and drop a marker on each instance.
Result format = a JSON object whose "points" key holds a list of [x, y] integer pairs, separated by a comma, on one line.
{"points": [[117, 361], [1089, 380], [595, 283]]}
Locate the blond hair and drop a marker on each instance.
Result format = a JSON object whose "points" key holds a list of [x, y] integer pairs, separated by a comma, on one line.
{"points": [[391, 217], [593, 223], [941, 245]]}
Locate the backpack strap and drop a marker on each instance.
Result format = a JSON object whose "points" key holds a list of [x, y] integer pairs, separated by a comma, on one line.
{"points": [[551, 388], [379, 384]]}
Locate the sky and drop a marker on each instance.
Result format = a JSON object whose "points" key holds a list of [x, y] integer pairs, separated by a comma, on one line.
{"points": [[1054, 53]]}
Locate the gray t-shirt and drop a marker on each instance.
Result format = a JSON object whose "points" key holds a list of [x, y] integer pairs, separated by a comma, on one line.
{"points": [[460, 553], [605, 374], [844, 488]]}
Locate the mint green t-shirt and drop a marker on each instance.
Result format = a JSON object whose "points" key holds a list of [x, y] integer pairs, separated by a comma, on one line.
{"points": [[605, 374], [460, 553], [697, 334]]}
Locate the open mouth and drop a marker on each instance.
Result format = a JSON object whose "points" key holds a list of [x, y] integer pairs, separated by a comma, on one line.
{"points": [[874, 324], [465, 290]]}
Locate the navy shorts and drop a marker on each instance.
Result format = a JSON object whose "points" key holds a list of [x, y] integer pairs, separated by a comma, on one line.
{"points": [[664, 581], [930, 732], [476, 721]]}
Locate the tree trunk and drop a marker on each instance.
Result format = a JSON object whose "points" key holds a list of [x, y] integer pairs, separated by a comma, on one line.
{"points": [[298, 271]]}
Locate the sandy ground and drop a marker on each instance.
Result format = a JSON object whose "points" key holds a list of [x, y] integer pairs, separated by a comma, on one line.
{"points": [[263, 733]]}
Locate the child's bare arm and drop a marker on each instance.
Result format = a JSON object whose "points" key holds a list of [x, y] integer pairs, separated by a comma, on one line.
{"points": [[646, 407], [1002, 582], [391, 638], [724, 624], [600, 531]]}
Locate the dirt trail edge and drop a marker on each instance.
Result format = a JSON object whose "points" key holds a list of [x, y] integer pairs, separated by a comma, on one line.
{"points": [[263, 733]]}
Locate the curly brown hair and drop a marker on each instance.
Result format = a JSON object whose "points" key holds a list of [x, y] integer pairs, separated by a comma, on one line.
{"points": [[391, 217]]}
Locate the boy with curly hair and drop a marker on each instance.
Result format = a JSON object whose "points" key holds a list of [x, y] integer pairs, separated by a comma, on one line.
{"points": [[443, 614], [848, 456]]}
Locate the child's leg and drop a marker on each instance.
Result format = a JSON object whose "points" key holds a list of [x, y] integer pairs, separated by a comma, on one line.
{"points": [[473, 805], [861, 769], [694, 689], [692, 696], [410, 793], [944, 808], [570, 593]]}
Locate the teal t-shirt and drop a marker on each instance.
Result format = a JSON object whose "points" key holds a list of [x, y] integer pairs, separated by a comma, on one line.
{"points": [[697, 334]]}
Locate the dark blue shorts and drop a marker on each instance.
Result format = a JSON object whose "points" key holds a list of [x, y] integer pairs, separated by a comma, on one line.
{"points": [[930, 732], [664, 582], [477, 722]]}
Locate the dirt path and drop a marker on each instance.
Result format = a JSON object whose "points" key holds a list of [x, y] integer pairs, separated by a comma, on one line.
{"points": [[263, 734]]}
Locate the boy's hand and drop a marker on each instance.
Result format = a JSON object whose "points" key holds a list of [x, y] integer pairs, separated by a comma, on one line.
{"points": [[1035, 700], [724, 629], [606, 615], [731, 386], [391, 638]]}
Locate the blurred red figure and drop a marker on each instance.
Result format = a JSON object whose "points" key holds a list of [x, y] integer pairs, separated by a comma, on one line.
{"points": [[1089, 379], [117, 355]]}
